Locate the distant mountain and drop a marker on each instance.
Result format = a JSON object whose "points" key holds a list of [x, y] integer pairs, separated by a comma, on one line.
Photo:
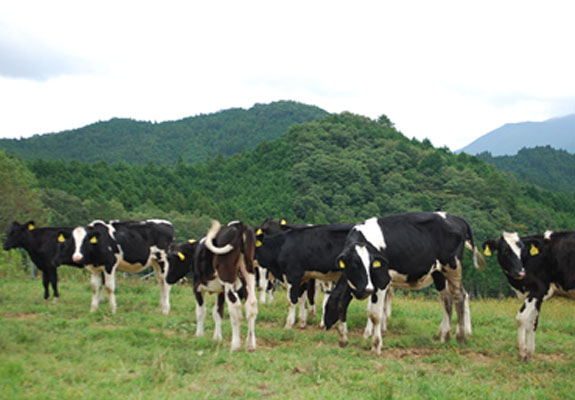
{"points": [[544, 166], [558, 133], [193, 139]]}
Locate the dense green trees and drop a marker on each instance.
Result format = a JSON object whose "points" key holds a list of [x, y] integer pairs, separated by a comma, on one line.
{"points": [[191, 139], [343, 167]]}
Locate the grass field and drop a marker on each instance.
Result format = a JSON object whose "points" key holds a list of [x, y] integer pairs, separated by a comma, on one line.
{"points": [[59, 350]]}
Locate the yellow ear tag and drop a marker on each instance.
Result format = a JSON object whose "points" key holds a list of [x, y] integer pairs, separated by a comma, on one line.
{"points": [[181, 255], [94, 240], [376, 264], [283, 222], [341, 264], [259, 243], [192, 241], [487, 251], [533, 250], [259, 232], [31, 227], [61, 238]]}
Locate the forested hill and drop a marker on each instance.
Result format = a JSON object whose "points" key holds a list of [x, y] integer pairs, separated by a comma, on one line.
{"points": [[544, 166], [193, 139], [342, 168]]}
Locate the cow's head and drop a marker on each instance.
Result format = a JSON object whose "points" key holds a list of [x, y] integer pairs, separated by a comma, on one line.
{"points": [[180, 258], [509, 248], [17, 234], [94, 244], [359, 263]]}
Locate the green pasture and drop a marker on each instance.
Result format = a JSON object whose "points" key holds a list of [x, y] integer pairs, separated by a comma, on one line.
{"points": [[60, 351]]}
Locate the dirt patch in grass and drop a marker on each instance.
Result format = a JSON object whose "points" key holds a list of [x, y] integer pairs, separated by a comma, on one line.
{"points": [[23, 316]]}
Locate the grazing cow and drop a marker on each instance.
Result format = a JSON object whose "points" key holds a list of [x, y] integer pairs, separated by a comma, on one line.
{"points": [[537, 267], [233, 261], [193, 257], [42, 245], [407, 251], [298, 255], [104, 248]]}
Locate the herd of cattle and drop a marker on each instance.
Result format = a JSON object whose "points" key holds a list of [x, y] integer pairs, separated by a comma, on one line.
{"points": [[364, 260]]}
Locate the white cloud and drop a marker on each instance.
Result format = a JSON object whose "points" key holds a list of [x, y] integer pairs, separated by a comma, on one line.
{"points": [[446, 70]]}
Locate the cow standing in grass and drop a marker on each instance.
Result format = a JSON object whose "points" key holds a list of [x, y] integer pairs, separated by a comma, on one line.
{"points": [[104, 248], [537, 267], [41, 244], [408, 251], [233, 248]]}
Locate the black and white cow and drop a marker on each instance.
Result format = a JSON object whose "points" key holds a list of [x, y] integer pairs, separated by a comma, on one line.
{"points": [[132, 246], [41, 244], [537, 267], [269, 227], [299, 255], [233, 260], [407, 251], [194, 258]]}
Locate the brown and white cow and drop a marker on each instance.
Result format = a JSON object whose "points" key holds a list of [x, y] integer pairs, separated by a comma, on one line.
{"points": [[233, 248]]}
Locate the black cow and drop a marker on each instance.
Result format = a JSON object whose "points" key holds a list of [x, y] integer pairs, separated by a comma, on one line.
{"points": [[132, 246], [537, 267], [194, 258], [42, 246], [407, 251], [298, 255], [269, 227]]}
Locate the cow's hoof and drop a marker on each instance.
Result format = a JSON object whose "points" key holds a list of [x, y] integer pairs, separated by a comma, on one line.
{"points": [[343, 343]]}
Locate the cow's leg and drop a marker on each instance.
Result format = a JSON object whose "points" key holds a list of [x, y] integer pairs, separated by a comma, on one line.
{"points": [[110, 284], [270, 288], [95, 283], [251, 310], [235, 311], [54, 282], [46, 284], [444, 332], [311, 290], [387, 304], [461, 298], [368, 331], [200, 312], [527, 323], [218, 315], [303, 306], [262, 283], [293, 294], [324, 302], [377, 316], [164, 289]]}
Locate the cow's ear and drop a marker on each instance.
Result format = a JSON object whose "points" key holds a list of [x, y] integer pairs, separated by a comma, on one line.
{"points": [[95, 238], [31, 225], [378, 262], [534, 246], [61, 237], [489, 246]]}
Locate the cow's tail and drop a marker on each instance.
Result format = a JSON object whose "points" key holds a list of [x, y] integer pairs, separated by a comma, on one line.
{"points": [[478, 260], [212, 232]]}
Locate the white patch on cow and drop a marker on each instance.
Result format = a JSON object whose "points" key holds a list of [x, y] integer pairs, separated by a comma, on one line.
{"points": [[157, 221], [213, 286], [442, 214], [372, 233], [399, 280], [512, 238], [233, 222], [200, 318], [547, 235], [526, 329], [364, 256], [78, 234]]}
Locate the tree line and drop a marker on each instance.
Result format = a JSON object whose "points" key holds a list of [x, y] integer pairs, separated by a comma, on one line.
{"points": [[342, 168]]}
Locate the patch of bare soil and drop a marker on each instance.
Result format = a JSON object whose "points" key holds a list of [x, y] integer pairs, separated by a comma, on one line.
{"points": [[22, 316]]}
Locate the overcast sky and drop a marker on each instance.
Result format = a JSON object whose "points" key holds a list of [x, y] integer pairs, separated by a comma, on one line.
{"points": [[449, 71]]}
